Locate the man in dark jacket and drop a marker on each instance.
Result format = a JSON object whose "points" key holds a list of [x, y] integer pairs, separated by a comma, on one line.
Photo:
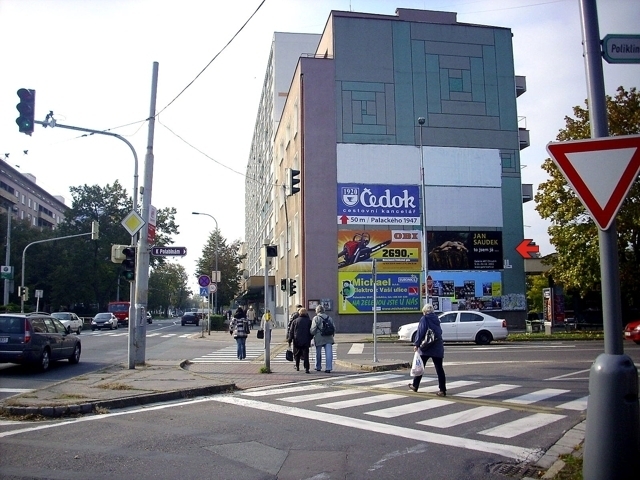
{"points": [[435, 351], [293, 316], [300, 335]]}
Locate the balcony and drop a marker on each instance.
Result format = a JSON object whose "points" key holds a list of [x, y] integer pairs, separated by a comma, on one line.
{"points": [[523, 136], [527, 192], [521, 85]]}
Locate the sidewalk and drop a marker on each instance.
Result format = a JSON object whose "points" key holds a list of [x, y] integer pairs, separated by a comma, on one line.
{"points": [[161, 381]]}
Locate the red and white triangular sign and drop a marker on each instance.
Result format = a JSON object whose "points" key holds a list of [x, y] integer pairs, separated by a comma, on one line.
{"points": [[601, 172]]}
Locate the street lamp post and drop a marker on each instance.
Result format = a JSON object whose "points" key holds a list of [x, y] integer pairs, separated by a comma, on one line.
{"points": [[425, 259], [217, 274]]}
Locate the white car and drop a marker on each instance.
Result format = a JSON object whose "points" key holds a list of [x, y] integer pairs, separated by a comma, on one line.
{"points": [[463, 326], [104, 320], [70, 320]]}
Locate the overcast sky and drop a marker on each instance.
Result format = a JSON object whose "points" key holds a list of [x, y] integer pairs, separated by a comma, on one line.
{"points": [[90, 62]]}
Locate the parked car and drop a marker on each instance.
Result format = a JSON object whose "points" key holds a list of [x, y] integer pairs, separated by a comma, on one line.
{"points": [[36, 338], [69, 320], [463, 326], [632, 331], [104, 320], [190, 317]]}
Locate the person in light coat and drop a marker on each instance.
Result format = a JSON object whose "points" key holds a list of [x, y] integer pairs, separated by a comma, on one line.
{"points": [[322, 341], [435, 351]]}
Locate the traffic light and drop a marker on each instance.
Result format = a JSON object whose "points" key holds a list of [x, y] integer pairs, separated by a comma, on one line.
{"points": [[293, 180], [26, 107], [95, 230], [23, 293], [283, 284], [272, 250], [292, 287], [129, 263]]}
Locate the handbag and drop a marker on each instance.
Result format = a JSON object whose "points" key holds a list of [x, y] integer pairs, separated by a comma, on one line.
{"points": [[429, 339], [417, 367], [289, 355], [260, 334]]}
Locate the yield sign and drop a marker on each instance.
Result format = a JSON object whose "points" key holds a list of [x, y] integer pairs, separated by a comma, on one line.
{"points": [[601, 172]]}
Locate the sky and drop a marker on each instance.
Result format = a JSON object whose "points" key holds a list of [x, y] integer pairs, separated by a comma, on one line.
{"points": [[91, 61]]}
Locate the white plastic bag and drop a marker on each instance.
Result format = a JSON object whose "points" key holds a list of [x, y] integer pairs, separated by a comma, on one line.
{"points": [[417, 367]]}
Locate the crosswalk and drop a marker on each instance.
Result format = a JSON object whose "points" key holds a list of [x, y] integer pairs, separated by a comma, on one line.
{"points": [[117, 333], [254, 351], [479, 413]]}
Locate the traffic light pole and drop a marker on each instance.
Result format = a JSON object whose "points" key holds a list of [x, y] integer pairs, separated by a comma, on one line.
{"points": [[51, 122]]}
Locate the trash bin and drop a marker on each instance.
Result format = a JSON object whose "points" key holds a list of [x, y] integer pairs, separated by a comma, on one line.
{"points": [[532, 326], [547, 328]]}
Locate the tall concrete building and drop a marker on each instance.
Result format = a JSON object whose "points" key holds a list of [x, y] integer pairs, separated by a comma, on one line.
{"points": [[404, 129]]}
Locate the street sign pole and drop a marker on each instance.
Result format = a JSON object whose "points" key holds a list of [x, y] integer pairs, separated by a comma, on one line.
{"points": [[611, 436]]}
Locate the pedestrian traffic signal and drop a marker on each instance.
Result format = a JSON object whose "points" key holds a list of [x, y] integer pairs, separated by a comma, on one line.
{"points": [[283, 284], [129, 263], [26, 107], [23, 293], [272, 250], [292, 287], [293, 180]]}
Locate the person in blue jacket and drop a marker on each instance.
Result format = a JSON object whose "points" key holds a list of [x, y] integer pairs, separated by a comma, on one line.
{"points": [[434, 351]]}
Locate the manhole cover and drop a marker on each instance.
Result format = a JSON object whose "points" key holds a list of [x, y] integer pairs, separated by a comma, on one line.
{"points": [[515, 471]]}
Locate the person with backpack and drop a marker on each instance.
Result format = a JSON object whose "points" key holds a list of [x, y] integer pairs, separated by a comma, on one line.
{"points": [[239, 328], [323, 329], [300, 335]]}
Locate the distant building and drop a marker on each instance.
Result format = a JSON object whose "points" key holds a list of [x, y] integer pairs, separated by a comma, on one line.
{"points": [[28, 201], [374, 178]]}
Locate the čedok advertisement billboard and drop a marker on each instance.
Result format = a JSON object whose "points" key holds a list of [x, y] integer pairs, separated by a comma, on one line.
{"points": [[373, 204]]}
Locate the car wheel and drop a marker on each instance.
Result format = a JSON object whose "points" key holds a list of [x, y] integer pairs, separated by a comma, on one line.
{"points": [[483, 338], [93, 329], [75, 357], [413, 337], [45, 360], [116, 325], [78, 331]]}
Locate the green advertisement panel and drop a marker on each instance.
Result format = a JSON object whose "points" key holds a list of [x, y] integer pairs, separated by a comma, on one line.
{"points": [[395, 292]]}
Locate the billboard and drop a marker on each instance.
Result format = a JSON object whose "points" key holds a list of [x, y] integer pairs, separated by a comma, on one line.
{"points": [[395, 292], [466, 290], [455, 250], [395, 250], [372, 204]]}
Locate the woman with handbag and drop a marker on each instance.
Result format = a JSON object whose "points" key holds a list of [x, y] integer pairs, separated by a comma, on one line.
{"points": [[239, 328], [300, 336], [432, 348]]}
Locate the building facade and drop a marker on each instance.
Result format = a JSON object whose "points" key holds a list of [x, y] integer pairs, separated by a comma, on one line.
{"points": [[405, 131]]}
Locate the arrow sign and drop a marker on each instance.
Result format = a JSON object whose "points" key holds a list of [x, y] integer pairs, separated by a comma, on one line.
{"points": [[526, 248], [168, 251], [600, 171]]}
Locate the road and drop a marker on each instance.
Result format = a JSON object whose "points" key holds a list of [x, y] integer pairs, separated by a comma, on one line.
{"points": [[505, 404]]}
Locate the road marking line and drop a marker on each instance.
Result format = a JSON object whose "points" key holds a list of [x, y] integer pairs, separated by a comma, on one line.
{"points": [[538, 396], [353, 381], [280, 391], [399, 383], [465, 416], [483, 392], [523, 425], [450, 386], [578, 405], [357, 402], [399, 410], [356, 349], [519, 454], [321, 395], [16, 390]]}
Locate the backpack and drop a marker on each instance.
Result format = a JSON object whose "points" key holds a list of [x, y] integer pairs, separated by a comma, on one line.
{"points": [[327, 328]]}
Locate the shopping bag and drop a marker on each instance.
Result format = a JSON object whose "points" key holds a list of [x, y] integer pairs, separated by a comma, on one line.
{"points": [[289, 356], [260, 334], [417, 367]]}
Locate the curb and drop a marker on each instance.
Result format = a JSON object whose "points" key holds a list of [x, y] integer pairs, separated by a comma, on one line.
{"points": [[373, 368]]}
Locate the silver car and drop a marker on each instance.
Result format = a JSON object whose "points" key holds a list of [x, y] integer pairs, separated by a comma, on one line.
{"points": [[104, 320]]}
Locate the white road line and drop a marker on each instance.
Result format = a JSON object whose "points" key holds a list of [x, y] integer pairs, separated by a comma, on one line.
{"points": [[523, 425], [280, 391], [483, 392], [538, 396], [353, 381], [579, 405], [356, 349], [519, 454], [16, 390], [357, 402], [400, 383], [459, 418], [409, 408], [450, 386], [572, 374], [312, 397]]}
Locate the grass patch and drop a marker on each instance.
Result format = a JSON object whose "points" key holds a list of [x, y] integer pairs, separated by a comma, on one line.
{"points": [[264, 369], [572, 469], [70, 396], [556, 336], [115, 386]]}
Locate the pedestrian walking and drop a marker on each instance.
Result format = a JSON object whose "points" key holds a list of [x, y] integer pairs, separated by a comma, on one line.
{"points": [[323, 329], [239, 328], [300, 336], [435, 351], [292, 317], [266, 324], [251, 315]]}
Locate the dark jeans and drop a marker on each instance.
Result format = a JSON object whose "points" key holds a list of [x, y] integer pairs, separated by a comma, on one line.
{"points": [[442, 380], [301, 352]]}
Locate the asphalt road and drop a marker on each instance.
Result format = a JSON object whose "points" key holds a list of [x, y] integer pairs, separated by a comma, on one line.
{"points": [[506, 404]]}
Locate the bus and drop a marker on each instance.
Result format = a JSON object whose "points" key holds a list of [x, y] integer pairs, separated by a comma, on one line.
{"points": [[121, 311]]}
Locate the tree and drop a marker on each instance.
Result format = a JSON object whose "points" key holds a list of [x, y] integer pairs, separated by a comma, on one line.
{"points": [[168, 287], [574, 235], [228, 265]]}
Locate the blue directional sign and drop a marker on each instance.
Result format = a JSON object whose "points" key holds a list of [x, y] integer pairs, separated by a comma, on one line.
{"points": [[204, 292]]}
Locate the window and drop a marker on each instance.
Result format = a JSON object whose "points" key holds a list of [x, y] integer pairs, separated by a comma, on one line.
{"points": [[448, 318], [470, 317], [23, 199], [37, 324], [50, 326]]}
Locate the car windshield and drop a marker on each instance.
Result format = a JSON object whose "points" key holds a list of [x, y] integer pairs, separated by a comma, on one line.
{"points": [[61, 316], [103, 316]]}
